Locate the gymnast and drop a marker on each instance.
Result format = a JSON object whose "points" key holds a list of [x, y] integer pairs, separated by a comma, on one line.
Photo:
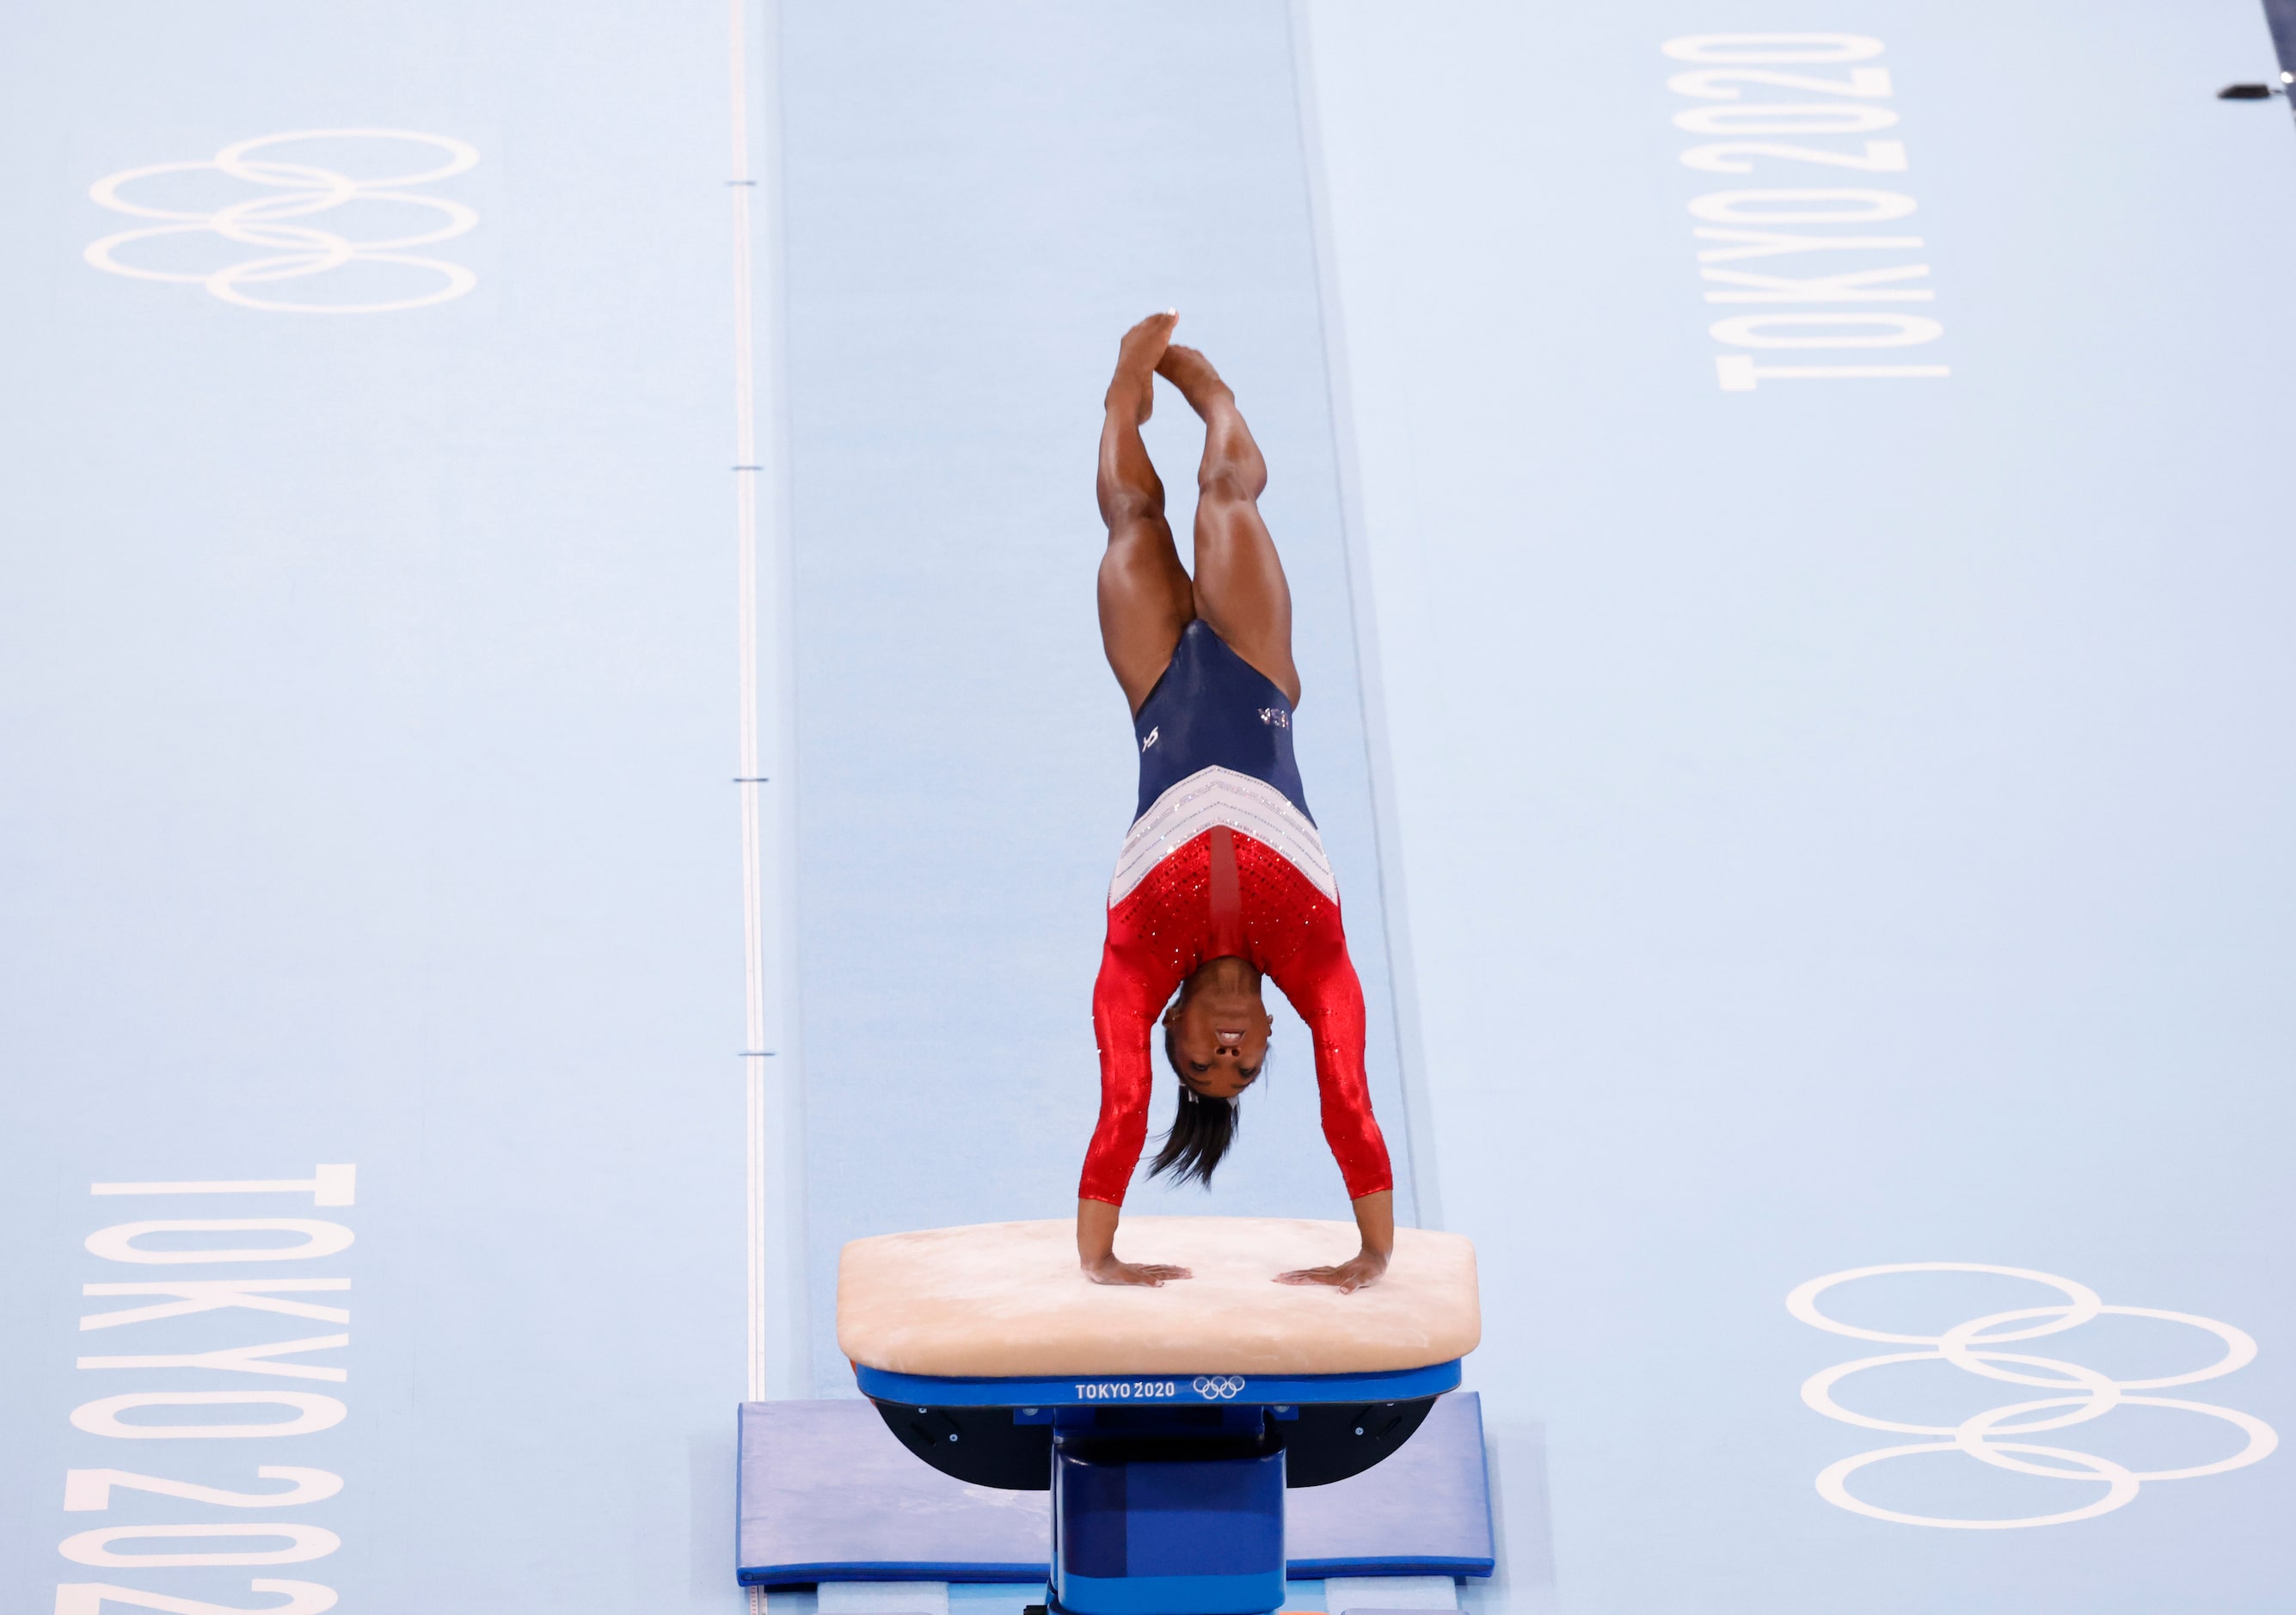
{"points": [[1222, 880]]}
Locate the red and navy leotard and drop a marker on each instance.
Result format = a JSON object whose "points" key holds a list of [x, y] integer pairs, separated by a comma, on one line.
{"points": [[1223, 860]]}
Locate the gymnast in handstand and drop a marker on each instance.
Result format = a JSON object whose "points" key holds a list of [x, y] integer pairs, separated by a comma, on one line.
{"points": [[1222, 881]]}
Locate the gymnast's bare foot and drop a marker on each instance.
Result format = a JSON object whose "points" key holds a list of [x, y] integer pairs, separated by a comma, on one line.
{"points": [[1188, 370], [1136, 358]]}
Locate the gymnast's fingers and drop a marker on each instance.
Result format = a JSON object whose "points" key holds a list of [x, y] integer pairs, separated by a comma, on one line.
{"points": [[1150, 1273]]}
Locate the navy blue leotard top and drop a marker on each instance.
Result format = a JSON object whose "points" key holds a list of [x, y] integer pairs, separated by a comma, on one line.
{"points": [[1212, 709]]}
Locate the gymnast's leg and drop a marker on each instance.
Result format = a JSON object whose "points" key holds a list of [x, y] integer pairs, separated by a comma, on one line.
{"points": [[1145, 603], [1146, 597], [1240, 588]]}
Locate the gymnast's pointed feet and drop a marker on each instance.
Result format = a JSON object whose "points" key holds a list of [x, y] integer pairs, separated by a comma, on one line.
{"points": [[1108, 1270], [1136, 358], [1192, 373]]}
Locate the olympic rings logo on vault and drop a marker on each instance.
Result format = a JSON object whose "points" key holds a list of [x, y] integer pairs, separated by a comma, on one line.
{"points": [[2001, 1436], [274, 224], [1217, 1387]]}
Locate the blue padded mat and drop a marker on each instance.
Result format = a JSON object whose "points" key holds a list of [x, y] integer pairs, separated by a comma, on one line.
{"points": [[828, 1495]]}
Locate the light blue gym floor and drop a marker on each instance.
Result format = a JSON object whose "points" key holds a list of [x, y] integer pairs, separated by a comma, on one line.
{"points": [[1786, 828]]}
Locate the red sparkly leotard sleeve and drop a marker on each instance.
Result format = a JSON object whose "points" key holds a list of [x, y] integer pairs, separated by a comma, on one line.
{"points": [[1251, 901], [1320, 980], [1126, 999]]}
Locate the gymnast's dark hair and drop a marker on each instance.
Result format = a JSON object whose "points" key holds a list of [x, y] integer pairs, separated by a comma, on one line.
{"points": [[1200, 1133]]}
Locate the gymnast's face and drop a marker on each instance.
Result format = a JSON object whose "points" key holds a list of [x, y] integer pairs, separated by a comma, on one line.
{"points": [[1220, 1030]]}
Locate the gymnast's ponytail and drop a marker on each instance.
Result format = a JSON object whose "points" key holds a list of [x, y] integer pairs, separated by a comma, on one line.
{"points": [[1202, 1130]]}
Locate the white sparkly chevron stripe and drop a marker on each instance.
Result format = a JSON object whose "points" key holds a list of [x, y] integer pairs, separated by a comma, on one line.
{"points": [[1220, 796]]}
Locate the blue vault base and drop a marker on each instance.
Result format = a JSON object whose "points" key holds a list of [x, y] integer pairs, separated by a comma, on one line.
{"points": [[828, 1494], [1154, 1517]]}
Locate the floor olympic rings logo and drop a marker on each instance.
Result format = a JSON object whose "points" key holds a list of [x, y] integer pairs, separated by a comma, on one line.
{"points": [[2083, 1394], [1217, 1387], [287, 249]]}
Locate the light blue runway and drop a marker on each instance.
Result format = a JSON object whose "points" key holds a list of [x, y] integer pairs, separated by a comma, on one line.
{"points": [[960, 803], [1789, 824]]}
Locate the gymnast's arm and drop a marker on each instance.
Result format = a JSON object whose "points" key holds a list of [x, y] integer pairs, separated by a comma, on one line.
{"points": [[1320, 980], [1124, 1004]]}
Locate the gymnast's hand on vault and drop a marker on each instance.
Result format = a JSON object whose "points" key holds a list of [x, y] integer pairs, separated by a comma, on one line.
{"points": [[1349, 1276], [1096, 1251], [1108, 1270]]}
